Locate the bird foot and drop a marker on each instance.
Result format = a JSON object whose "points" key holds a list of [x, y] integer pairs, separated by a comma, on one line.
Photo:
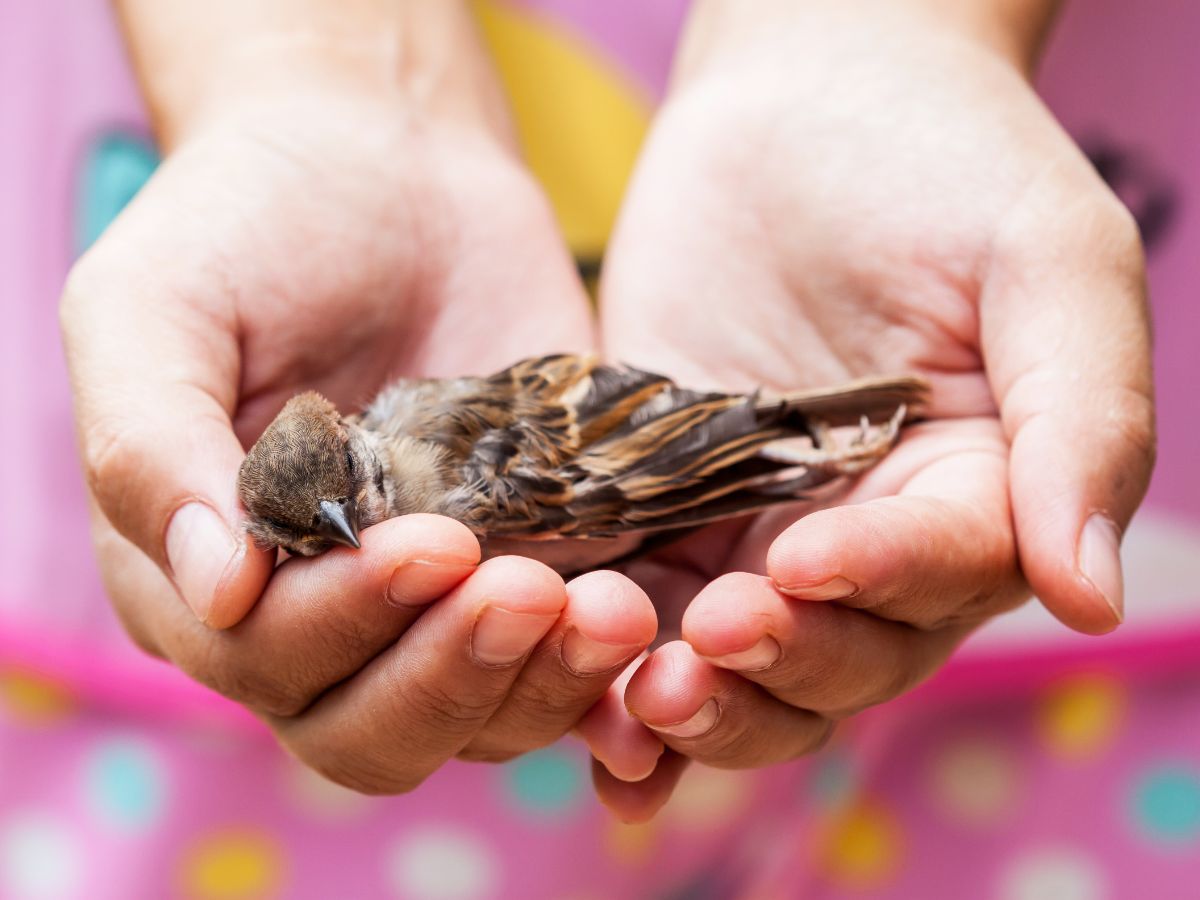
{"points": [[867, 447]]}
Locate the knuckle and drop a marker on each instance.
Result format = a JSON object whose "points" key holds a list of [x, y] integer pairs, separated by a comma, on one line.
{"points": [[445, 711], [534, 710], [1131, 415], [113, 454], [372, 778], [811, 675], [243, 678], [346, 645]]}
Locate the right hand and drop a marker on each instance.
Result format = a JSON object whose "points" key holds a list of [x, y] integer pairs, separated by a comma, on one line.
{"points": [[325, 238]]}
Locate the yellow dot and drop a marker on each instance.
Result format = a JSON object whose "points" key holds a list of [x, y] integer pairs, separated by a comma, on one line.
{"points": [[33, 699], [232, 865], [1079, 716], [630, 844], [863, 847]]}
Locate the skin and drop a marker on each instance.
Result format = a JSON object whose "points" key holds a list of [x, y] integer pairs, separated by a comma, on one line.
{"points": [[877, 183], [328, 235], [867, 189]]}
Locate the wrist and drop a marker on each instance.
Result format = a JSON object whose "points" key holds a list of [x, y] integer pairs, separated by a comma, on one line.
{"points": [[203, 64], [1013, 30]]}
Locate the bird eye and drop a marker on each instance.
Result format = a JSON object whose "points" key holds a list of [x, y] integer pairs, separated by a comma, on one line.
{"points": [[276, 524], [349, 461]]}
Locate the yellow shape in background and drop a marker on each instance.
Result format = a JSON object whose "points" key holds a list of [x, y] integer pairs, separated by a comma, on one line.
{"points": [[863, 847], [631, 845], [233, 865], [580, 120], [34, 700], [1080, 716]]}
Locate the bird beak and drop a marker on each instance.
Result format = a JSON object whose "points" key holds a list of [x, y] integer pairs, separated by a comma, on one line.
{"points": [[339, 522]]}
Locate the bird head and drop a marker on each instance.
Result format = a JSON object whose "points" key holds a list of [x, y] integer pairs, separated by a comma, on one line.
{"points": [[306, 481]]}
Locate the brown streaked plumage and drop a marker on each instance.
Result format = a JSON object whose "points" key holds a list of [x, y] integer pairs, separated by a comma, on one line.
{"points": [[561, 457]]}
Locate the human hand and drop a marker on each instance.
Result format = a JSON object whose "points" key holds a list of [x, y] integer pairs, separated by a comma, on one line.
{"points": [[330, 232], [836, 190]]}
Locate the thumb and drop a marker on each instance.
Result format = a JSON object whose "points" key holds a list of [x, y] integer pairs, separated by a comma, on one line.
{"points": [[154, 382], [1066, 339]]}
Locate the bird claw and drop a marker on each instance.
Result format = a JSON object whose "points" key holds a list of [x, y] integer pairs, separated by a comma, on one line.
{"points": [[863, 451]]}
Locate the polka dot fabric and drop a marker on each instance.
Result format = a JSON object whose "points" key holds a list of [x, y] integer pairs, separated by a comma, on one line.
{"points": [[925, 799], [1086, 787], [96, 806]]}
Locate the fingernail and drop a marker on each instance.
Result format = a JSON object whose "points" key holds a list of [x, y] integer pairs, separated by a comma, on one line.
{"points": [[762, 655], [1100, 561], [199, 550], [586, 656], [836, 588], [419, 581], [701, 723], [633, 777], [502, 637]]}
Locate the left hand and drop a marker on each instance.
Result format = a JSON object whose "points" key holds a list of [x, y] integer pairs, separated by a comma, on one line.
{"points": [[837, 190]]}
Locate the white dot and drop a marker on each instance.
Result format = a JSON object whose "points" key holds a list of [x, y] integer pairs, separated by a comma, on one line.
{"points": [[443, 864], [1053, 874], [39, 858], [976, 781], [320, 797]]}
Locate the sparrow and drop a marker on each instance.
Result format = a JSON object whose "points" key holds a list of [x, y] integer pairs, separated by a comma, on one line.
{"points": [[562, 458]]}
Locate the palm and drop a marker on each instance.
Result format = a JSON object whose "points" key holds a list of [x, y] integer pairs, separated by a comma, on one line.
{"points": [[798, 257], [360, 254]]}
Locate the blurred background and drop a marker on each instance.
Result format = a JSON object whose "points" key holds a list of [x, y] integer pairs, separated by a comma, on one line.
{"points": [[584, 78]]}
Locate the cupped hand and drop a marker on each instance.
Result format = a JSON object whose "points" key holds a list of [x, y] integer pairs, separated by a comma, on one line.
{"points": [[838, 190], [329, 240]]}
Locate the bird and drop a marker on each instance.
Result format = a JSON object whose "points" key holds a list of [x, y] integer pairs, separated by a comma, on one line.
{"points": [[564, 458]]}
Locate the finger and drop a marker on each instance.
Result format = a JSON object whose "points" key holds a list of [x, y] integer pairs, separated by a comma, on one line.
{"points": [[638, 802], [154, 365], [321, 620], [608, 620], [619, 742], [1067, 342], [716, 717], [817, 656], [421, 702], [940, 553]]}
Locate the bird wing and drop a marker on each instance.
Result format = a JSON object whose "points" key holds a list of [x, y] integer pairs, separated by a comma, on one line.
{"points": [[592, 450]]}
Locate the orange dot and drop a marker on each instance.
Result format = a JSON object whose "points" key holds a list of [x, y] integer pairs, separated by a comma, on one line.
{"points": [[33, 699], [630, 844]]}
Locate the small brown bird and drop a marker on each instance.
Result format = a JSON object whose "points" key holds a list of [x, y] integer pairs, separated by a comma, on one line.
{"points": [[561, 458]]}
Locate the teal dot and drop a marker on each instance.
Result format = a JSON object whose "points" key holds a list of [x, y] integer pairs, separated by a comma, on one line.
{"points": [[125, 784], [832, 782], [548, 782], [1167, 804], [114, 169]]}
